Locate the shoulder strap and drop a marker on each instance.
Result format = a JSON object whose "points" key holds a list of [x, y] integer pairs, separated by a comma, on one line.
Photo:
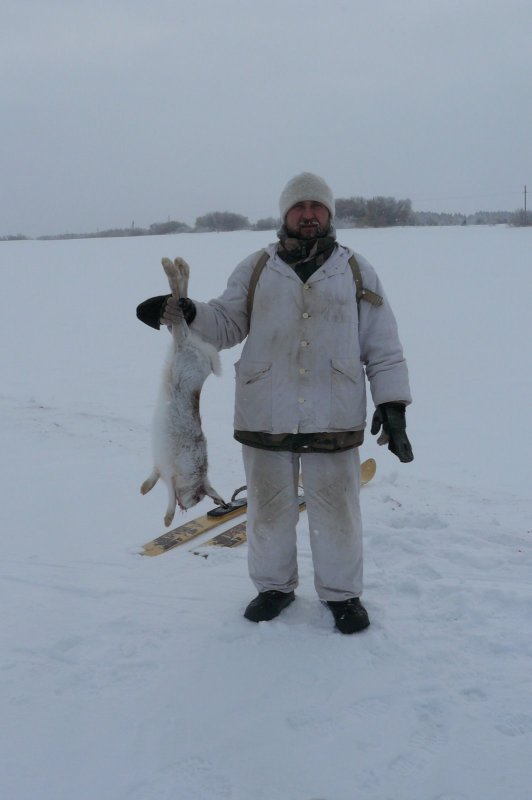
{"points": [[363, 294], [255, 275]]}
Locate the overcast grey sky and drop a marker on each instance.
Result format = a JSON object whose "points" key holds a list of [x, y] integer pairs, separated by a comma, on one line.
{"points": [[119, 110]]}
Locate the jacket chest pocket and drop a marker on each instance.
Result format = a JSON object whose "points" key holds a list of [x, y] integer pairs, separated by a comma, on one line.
{"points": [[348, 394], [253, 396]]}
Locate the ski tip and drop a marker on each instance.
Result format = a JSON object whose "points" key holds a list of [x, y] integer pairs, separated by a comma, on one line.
{"points": [[149, 550]]}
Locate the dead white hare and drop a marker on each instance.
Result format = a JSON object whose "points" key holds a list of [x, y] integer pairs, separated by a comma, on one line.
{"points": [[179, 446]]}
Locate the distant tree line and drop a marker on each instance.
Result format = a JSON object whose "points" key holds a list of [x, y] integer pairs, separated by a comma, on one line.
{"points": [[377, 212], [380, 212], [478, 218], [221, 221], [213, 222], [157, 229], [351, 212]]}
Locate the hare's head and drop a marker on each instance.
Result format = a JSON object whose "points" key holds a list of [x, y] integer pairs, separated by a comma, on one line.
{"points": [[191, 495]]}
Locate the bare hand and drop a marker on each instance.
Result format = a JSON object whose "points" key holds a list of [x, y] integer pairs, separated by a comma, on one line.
{"points": [[172, 313]]}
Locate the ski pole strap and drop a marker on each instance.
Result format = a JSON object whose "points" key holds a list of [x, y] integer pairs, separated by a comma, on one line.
{"points": [[363, 294]]}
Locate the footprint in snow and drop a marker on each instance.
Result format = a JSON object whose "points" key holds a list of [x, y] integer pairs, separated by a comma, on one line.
{"points": [[191, 778], [429, 522], [515, 724]]}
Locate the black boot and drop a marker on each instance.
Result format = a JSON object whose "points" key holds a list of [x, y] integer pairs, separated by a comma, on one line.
{"points": [[268, 605], [350, 615]]}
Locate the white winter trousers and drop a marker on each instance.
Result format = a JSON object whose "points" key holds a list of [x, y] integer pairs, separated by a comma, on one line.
{"points": [[331, 484]]}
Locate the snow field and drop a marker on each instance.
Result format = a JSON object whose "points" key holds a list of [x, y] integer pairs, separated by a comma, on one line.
{"points": [[129, 678]]}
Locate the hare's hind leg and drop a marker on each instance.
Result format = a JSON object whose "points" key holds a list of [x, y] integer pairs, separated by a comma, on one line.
{"points": [[177, 272], [183, 274], [150, 481]]}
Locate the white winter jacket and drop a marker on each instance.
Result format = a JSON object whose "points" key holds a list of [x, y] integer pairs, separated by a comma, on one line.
{"points": [[302, 366]]}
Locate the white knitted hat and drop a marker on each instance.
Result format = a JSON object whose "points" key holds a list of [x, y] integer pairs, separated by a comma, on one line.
{"points": [[305, 186]]}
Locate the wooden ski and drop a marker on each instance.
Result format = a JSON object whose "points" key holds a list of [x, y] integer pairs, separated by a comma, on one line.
{"points": [[195, 527]]}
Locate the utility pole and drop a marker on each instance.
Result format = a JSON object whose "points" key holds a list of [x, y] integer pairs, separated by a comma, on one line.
{"points": [[525, 208]]}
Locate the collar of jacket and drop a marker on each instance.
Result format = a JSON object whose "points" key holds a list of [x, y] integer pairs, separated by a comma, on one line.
{"points": [[336, 264]]}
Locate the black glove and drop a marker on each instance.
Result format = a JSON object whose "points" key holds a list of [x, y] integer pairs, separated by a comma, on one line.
{"points": [[391, 417], [152, 311], [188, 308], [176, 310]]}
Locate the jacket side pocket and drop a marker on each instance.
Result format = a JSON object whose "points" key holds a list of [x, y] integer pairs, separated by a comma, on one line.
{"points": [[348, 394], [253, 396]]}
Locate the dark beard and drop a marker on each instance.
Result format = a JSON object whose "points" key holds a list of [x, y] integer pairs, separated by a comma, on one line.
{"points": [[303, 254], [285, 233], [316, 231]]}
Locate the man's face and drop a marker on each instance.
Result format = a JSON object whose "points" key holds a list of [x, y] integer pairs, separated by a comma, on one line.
{"points": [[307, 219]]}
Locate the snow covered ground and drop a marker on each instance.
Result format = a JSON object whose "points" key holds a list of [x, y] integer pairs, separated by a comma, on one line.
{"points": [[129, 678]]}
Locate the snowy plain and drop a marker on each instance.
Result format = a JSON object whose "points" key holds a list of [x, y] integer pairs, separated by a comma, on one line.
{"points": [[130, 678]]}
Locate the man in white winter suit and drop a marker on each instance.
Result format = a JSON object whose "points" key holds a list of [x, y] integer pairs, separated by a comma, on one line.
{"points": [[300, 400]]}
